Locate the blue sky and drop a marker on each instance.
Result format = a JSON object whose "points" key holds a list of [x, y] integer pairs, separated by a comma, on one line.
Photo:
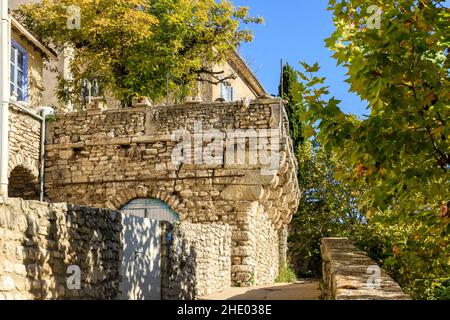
{"points": [[294, 31]]}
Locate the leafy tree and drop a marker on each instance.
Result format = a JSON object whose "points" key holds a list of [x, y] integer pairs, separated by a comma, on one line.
{"points": [[134, 46], [413, 248], [288, 89], [415, 254], [400, 150], [328, 208]]}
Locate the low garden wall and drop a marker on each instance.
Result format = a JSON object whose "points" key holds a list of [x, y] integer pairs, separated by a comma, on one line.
{"points": [[349, 274], [44, 247]]}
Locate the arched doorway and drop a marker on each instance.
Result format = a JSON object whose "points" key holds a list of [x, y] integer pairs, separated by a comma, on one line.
{"points": [[153, 209], [22, 184], [144, 239]]}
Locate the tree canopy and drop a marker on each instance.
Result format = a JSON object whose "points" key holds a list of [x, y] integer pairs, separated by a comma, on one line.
{"points": [[134, 47], [328, 208], [401, 149], [395, 159]]}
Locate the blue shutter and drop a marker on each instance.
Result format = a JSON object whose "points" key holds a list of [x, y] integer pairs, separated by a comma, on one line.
{"points": [[25, 76]]}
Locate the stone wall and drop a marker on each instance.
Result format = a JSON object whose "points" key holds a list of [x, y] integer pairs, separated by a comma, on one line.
{"points": [[39, 241], [255, 248], [266, 248], [349, 274], [105, 158], [283, 245], [199, 260], [24, 150]]}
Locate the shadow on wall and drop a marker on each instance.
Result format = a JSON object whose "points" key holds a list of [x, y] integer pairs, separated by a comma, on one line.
{"points": [[22, 184], [44, 271], [157, 264], [141, 264], [54, 237], [92, 242], [182, 268], [40, 243]]}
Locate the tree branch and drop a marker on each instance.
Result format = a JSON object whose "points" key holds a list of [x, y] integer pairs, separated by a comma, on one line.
{"points": [[215, 75]]}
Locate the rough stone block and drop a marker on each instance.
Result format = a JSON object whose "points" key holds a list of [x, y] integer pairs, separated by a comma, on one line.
{"points": [[7, 283], [20, 269], [249, 193]]}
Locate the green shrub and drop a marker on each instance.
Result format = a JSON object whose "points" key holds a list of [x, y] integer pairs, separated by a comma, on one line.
{"points": [[286, 274]]}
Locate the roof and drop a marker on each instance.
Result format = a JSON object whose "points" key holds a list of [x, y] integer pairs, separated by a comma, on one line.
{"points": [[16, 25], [246, 73]]}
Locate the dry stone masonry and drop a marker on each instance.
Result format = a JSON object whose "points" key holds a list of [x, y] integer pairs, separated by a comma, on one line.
{"points": [[39, 242], [349, 274], [24, 150], [42, 243], [199, 260], [105, 158]]}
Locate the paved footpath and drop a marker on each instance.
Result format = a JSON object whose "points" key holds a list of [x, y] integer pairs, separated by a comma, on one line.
{"points": [[301, 290]]}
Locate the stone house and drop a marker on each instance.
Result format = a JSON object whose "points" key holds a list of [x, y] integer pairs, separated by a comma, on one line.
{"points": [[27, 57], [201, 193], [245, 86], [26, 82]]}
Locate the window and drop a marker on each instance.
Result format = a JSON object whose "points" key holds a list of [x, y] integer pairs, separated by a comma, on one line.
{"points": [[227, 92], [19, 72]]}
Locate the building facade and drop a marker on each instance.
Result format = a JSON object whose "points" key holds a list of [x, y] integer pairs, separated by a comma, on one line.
{"points": [[27, 60], [211, 185]]}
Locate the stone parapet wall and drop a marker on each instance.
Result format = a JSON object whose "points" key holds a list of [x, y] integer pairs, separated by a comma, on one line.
{"points": [[39, 241], [199, 260], [349, 274], [104, 158]]}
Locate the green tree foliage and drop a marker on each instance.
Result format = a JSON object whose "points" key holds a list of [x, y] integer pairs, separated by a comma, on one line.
{"points": [[286, 275], [134, 46], [400, 150], [327, 208], [416, 255], [288, 88]]}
